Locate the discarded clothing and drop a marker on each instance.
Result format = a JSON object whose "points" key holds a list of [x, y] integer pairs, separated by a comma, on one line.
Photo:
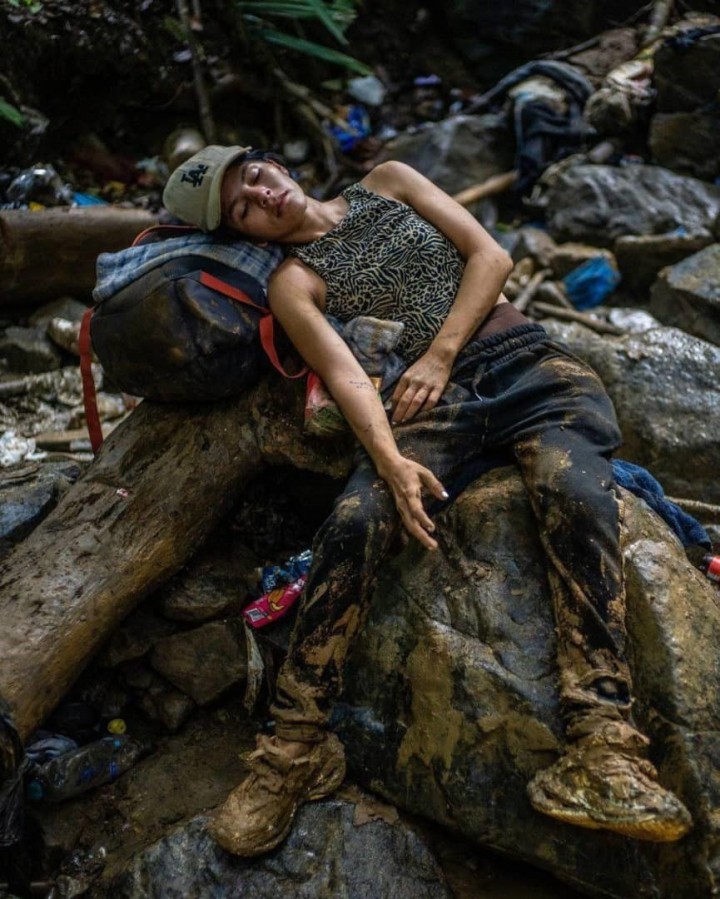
{"points": [[544, 133], [640, 482]]}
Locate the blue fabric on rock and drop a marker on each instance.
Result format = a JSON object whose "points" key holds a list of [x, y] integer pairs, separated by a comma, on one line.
{"points": [[640, 482]]}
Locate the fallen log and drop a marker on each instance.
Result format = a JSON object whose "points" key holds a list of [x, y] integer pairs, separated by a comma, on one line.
{"points": [[496, 184], [544, 309], [44, 255], [162, 480]]}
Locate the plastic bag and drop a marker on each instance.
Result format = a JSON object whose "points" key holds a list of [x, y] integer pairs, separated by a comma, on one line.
{"points": [[590, 283]]}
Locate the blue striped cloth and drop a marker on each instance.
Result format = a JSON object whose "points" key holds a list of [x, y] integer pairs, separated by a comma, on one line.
{"points": [[117, 270]]}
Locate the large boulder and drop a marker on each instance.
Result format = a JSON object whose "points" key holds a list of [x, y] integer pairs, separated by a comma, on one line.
{"points": [[451, 704], [596, 204], [664, 385], [640, 258], [687, 70], [327, 855], [457, 152], [687, 295]]}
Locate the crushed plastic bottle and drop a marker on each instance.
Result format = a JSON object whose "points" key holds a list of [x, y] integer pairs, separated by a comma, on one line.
{"points": [[88, 767], [39, 184]]}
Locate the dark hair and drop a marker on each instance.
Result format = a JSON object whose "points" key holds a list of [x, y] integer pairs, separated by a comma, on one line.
{"points": [[263, 154]]}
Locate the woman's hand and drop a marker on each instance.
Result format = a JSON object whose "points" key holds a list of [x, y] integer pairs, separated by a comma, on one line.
{"points": [[407, 480], [420, 386]]}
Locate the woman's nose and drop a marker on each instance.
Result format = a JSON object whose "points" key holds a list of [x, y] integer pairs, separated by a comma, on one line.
{"points": [[261, 195]]}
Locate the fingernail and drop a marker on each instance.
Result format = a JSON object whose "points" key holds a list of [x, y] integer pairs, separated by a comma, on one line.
{"points": [[445, 494]]}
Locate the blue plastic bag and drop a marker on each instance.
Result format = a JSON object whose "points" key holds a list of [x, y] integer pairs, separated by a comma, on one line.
{"points": [[589, 283]]}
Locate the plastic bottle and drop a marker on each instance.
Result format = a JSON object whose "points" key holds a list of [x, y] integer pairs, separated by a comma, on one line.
{"points": [[88, 767], [711, 567]]}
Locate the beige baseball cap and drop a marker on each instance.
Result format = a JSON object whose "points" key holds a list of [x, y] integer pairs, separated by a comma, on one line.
{"points": [[193, 190]]}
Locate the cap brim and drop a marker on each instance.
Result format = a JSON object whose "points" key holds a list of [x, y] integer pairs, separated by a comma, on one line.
{"points": [[213, 216]]}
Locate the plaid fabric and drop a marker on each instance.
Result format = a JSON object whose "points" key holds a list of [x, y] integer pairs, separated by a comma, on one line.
{"points": [[117, 270]]}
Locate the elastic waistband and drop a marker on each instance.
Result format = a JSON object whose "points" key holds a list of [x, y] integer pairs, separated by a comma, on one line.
{"points": [[503, 343]]}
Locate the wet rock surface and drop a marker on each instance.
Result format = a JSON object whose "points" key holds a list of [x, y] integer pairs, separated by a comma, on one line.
{"points": [[451, 706], [598, 204], [686, 295], [664, 386]]}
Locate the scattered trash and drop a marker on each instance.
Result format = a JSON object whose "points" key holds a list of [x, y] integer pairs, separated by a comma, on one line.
{"points": [[590, 283], [14, 449], [272, 576], [79, 199], [368, 90], [296, 151], [46, 746], [65, 334], [427, 81], [85, 768], [274, 604], [711, 567], [357, 128], [281, 586], [39, 184], [116, 726]]}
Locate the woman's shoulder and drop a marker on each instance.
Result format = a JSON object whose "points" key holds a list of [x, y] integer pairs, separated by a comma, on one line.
{"points": [[293, 274], [389, 179]]}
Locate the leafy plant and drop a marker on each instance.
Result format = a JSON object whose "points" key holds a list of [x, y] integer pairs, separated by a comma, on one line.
{"points": [[32, 6], [11, 113], [335, 16]]}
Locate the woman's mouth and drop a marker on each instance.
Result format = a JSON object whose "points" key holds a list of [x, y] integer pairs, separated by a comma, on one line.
{"points": [[281, 200]]}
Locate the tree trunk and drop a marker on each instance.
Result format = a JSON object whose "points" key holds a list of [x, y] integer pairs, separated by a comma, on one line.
{"points": [[44, 255], [159, 484]]}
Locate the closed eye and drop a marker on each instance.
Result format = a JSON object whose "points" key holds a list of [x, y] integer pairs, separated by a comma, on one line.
{"points": [[254, 176]]}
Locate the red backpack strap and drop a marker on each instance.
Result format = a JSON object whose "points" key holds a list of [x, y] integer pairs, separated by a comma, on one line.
{"points": [[162, 232], [233, 292], [265, 326], [267, 339], [92, 418]]}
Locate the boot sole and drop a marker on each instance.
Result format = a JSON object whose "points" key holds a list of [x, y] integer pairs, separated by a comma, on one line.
{"points": [[650, 828]]}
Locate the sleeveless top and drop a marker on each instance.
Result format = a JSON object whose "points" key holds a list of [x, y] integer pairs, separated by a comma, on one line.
{"points": [[383, 259]]}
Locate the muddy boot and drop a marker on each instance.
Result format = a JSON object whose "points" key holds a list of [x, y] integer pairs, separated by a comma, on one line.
{"points": [[604, 783], [259, 813]]}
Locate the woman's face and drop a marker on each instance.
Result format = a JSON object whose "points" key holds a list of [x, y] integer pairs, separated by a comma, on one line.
{"points": [[259, 199]]}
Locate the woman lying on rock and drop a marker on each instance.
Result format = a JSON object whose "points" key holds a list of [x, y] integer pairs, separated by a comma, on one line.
{"points": [[396, 247]]}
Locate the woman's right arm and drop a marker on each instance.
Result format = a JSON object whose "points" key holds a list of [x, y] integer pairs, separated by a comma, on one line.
{"points": [[293, 302]]}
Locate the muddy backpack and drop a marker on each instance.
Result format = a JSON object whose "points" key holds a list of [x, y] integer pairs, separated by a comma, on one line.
{"points": [[188, 326]]}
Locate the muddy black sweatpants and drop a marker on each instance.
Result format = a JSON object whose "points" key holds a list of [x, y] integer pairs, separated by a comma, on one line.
{"points": [[515, 395]]}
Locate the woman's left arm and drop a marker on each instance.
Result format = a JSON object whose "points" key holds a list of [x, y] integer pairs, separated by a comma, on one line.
{"points": [[487, 267]]}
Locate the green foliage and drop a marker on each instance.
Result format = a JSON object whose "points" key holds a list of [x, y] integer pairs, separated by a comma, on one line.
{"points": [[11, 113], [336, 16], [32, 6], [319, 51]]}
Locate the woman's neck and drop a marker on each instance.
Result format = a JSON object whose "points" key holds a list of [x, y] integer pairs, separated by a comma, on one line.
{"points": [[320, 217]]}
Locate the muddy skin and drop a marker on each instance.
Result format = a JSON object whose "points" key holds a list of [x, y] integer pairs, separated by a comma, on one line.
{"points": [[526, 398]]}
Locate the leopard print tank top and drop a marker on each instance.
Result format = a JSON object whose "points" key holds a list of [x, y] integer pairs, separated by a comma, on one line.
{"points": [[383, 259]]}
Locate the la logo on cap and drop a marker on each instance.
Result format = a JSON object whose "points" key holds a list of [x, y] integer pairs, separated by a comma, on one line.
{"points": [[195, 175]]}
